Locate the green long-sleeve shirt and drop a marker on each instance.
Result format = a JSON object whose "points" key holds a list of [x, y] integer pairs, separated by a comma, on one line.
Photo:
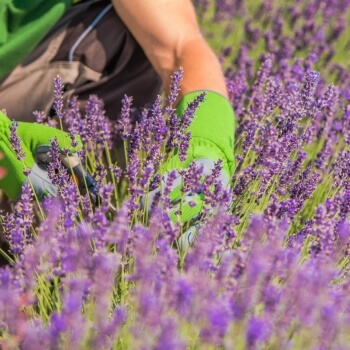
{"points": [[23, 23]]}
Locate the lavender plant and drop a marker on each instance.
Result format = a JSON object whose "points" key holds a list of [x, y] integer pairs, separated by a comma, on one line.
{"points": [[270, 266]]}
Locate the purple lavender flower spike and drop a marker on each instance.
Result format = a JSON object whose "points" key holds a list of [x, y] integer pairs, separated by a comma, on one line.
{"points": [[58, 103], [257, 331], [73, 120], [118, 232], [263, 73], [100, 175], [17, 224], [16, 141], [97, 126], [309, 88], [70, 195], [158, 126], [58, 174], [124, 121], [39, 116], [184, 145], [344, 206], [272, 96], [175, 86], [116, 171], [148, 171], [219, 316], [99, 217], [190, 111], [169, 338], [70, 317]]}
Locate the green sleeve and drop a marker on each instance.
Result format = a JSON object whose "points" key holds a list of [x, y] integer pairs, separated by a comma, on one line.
{"points": [[23, 23]]}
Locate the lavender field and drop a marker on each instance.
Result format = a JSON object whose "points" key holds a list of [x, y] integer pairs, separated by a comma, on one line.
{"points": [[269, 268]]}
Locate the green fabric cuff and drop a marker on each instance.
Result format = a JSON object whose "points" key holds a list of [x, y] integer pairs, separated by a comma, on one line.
{"points": [[14, 178], [212, 131], [35, 135]]}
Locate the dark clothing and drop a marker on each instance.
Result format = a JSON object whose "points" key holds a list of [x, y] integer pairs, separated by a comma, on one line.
{"points": [[106, 61]]}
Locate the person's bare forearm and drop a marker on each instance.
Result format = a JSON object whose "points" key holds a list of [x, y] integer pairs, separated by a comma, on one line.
{"points": [[202, 70], [168, 32]]}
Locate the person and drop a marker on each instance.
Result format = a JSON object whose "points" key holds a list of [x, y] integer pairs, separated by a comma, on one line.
{"points": [[107, 48]]}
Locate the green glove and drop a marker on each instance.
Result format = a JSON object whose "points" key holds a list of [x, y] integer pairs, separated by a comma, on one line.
{"points": [[212, 135], [212, 132], [34, 137], [212, 139]]}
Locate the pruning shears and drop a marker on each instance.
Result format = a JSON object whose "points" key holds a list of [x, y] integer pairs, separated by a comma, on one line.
{"points": [[85, 183]]}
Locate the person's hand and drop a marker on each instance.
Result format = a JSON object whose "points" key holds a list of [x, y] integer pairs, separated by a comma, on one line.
{"points": [[212, 133], [22, 155]]}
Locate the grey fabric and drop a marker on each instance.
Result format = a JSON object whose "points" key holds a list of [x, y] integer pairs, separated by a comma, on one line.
{"points": [[41, 183], [187, 239]]}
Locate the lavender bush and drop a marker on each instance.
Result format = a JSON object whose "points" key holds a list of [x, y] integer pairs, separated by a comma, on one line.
{"points": [[269, 269]]}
